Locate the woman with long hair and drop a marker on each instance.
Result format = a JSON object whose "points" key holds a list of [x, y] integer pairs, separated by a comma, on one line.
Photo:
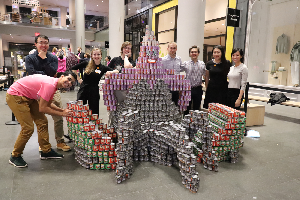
{"points": [[89, 86], [216, 77], [237, 76]]}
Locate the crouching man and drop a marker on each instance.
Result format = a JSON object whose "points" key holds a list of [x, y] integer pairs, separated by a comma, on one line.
{"points": [[30, 98]]}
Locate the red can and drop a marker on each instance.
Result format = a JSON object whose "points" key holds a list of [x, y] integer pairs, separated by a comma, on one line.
{"points": [[104, 126], [92, 127], [79, 107], [95, 148], [106, 147], [80, 120], [112, 130], [94, 135], [94, 116], [86, 107], [114, 135], [110, 154], [103, 140], [108, 140], [86, 120], [101, 120], [84, 113], [101, 147], [111, 160], [86, 127], [115, 153], [97, 141], [75, 120], [89, 112], [112, 146], [98, 121], [99, 134], [100, 126]]}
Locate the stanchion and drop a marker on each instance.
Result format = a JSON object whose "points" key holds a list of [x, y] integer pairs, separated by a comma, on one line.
{"points": [[13, 118]]}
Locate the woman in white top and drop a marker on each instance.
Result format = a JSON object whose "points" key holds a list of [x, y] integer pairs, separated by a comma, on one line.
{"points": [[237, 76]]}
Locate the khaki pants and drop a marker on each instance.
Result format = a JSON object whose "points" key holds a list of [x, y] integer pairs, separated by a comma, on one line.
{"points": [[27, 111], [58, 120]]}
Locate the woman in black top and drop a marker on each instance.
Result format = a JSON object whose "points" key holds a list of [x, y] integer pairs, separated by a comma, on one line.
{"points": [[124, 60], [216, 77], [89, 89]]}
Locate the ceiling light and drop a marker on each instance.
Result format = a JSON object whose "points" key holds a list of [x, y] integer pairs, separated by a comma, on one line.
{"points": [[97, 5], [102, 1], [9, 34], [223, 24], [129, 9]]}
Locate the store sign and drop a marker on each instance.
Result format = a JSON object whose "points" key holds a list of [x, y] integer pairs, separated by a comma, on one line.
{"points": [[233, 17]]}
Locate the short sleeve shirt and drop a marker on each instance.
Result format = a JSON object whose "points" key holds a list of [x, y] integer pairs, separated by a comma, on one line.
{"points": [[34, 87]]}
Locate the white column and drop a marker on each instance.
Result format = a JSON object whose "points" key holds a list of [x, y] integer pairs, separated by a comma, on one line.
{"points": [[190, 27], [2, 7], [116, 26], [80, 27], [73, 45], [63, 16], [1, 54], [72, 15]]}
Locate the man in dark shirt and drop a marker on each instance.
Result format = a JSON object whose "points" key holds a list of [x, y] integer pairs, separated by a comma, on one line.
{"points": [[43, 62]]}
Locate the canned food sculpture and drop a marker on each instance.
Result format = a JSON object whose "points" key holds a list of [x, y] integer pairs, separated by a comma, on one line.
{"points": [[221, 138], [147, 131], [148, 67], [94, 148]]}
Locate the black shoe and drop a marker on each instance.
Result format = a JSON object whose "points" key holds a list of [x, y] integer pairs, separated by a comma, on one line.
{"points": [[51, 155], [68, 137], [17, 161]]}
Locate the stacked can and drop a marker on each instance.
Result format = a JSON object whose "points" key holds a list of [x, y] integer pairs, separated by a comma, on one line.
{"points": [[228, 127], [148, 67], [148, 131], [200, 133], [94, 148], [128, 127]]}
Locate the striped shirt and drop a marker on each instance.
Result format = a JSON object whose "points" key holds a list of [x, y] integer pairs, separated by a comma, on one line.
{"points": [[194, 72], [172, 63]]}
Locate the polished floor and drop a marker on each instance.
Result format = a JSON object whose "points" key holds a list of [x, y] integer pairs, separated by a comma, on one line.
{"points": [[268, 168]]}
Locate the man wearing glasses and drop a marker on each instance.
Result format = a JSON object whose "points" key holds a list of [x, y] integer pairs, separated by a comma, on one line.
{"points": [[45, 63], [30, 98]]}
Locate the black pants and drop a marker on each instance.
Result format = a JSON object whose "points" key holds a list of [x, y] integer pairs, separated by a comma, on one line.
{"points": [[89, 94], [232, 95], [196, 99], [175, 97]]}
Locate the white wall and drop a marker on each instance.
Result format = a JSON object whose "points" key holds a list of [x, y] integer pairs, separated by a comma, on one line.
{"points": [[258, 42], [266, 17], [215, 9]]}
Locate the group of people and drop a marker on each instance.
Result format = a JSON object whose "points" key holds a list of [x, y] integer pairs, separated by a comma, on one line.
{"points": [[225, 83], [30, 97]]}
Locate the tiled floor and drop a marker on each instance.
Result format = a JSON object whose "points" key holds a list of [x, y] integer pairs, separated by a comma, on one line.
{"points": [[268, 168]]}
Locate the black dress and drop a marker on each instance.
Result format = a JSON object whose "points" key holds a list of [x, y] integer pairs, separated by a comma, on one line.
{"points": [[118, 63], [216, 91], [89, 89]]}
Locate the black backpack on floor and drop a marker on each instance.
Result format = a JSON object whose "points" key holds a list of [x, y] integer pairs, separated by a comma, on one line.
{"points": [[277, 98]]}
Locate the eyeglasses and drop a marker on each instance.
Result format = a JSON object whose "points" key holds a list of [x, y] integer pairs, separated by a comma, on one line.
{"points": [[128, 48], [43, 43], [70, 79]]}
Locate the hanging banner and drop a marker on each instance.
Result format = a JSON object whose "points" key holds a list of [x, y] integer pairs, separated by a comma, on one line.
{"points": [[233, 17]]}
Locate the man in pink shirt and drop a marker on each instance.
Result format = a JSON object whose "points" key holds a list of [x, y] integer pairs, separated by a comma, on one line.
{"points": [[30, 98]]}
